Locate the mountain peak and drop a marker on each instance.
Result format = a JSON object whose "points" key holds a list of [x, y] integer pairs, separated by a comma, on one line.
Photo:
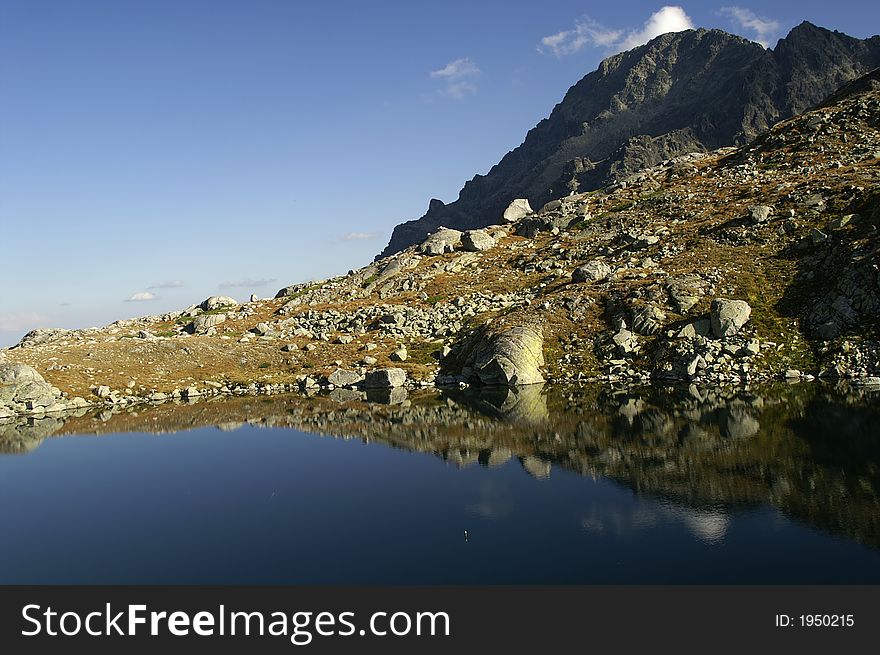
{"points": [[681, 92]]}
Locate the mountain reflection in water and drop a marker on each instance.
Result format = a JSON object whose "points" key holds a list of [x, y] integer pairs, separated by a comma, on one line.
{"points": [[802, 459]]}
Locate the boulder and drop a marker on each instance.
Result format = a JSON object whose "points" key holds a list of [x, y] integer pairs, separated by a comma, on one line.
{"points": [[512, 357], [201, 324], [594, 271], [647, 320], [760, 213], [477, 240], [728, 316], [399, 355], [215, 302], [517, 209], [442, 241], [342, 378], [385, 378], [18, 374]]}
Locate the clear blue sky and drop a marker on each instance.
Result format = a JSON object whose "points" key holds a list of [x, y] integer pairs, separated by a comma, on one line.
{"points": [[169, 150]]}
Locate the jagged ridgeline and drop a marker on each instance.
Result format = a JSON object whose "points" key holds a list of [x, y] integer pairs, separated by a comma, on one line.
{"points": [[695, 90]]}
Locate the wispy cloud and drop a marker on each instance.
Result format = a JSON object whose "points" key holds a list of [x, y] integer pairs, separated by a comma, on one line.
{"points": [[173, 284], [142, 296], [459, 77], [22, 321], [589, 32], [247, 283], [763, 29], [359, 236], [586, 32]]}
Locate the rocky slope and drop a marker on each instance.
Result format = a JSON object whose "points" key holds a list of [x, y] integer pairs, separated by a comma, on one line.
{"points": [[689, 91], [725, 267]]}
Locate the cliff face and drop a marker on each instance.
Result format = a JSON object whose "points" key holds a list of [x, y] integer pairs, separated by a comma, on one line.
{"points": [[688, 91]]}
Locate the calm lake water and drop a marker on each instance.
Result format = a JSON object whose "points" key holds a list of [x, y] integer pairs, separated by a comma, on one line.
{"points": [[590, 485]]}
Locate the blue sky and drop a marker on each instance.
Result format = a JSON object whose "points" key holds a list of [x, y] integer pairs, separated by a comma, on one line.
{"points": [[156, 152]]}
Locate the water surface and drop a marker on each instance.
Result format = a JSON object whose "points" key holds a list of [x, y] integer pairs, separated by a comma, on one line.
{"points": [[590, 485]]}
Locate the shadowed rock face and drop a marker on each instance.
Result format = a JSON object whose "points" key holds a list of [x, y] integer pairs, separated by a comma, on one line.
{"points": [[682, 92]]}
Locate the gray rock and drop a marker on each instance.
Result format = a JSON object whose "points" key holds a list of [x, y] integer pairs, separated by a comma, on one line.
{"points": [[342, 378], [593, 271], [16, 374], [513, 357], [702, 327], [385, 378], [477, 241], [442, 241], [215, 302], [728, 316], [625, 341], [517, 209], [399, 355], [201, 324], [760, 213], [647, 320]]}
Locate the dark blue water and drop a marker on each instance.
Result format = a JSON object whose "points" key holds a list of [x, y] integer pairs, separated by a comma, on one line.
{"points": [[281, 506]]}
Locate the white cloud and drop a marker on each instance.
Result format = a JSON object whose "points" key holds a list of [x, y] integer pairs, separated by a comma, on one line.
{"points": [[174, 284], [588, 32], [359, 236], [459, 76], [668, 19], [141, 296], [762, 28], [248, 283], [22, 321]]}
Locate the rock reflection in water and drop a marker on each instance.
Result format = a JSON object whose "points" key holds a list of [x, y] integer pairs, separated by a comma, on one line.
{"points": [[809, 451]]}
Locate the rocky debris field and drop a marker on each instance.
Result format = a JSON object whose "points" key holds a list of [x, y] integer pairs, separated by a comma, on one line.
{"points": [[726, 267]]}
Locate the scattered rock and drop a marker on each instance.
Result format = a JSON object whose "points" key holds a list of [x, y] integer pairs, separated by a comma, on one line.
{"points": [[477, 240], [385, 378], [594, 271], [216, 302], [517, 209], [728, 316], [342, 378]]}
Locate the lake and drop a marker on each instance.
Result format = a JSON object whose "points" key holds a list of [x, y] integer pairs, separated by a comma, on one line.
{"points": [[590, 484]]}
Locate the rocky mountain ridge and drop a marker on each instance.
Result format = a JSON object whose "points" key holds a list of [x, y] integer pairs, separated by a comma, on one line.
{"points": [[682, 92]]}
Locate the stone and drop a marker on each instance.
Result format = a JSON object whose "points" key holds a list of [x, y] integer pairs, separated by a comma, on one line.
{"points": [[818, 236], [342, 378], [647, 320], [201, 324], [399, 355], [594, 271], [625, 341], [103, 391], [701, 327], [477, 241], [513, 357], [369, 361], [442, 241], [760, 213], [516, 210], [215, 302], [18, 374], [728, 316], [385, 378]]}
